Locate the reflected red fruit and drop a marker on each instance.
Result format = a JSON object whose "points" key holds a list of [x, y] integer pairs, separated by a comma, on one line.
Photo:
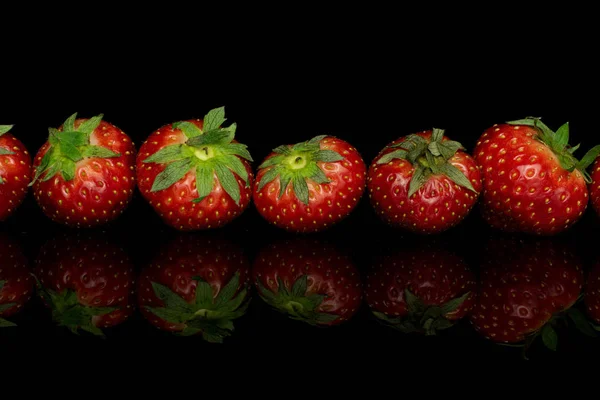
{"points": [[16, 282], [308, 280]]}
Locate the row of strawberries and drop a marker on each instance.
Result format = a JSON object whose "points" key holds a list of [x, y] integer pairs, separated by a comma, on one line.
{"points": [[196, 175], [200, 284]]}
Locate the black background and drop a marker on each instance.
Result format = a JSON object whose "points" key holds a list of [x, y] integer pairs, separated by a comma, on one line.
{"points": [[367, 76]]}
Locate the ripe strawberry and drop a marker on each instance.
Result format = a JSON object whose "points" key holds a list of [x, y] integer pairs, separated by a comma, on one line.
{"points": [[594, 185], [423, 182], [526, 288], [87, 281], [532, 182], [194, 174], [16, 283], [15, 172], [311, 185], [591, 297], [196, 286], [420, 290], [308, 281], [85, 172]]}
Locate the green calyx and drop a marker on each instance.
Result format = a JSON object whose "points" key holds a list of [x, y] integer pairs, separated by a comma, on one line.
{"points": [[296, 302], [208, 315], [558, 142], [423, 318], [296, 164], [429, 157], [5, 128], [3, 307], [3, 151], [68, 146], [208, 151]]}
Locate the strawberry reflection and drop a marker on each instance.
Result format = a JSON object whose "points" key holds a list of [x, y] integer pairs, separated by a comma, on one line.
{"points": [[592, 295], [196, 285], [308, 280], [87, 280], [528, 288], [16, 283], [422, 289]]}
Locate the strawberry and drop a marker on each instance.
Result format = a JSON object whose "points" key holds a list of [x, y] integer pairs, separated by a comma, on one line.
{"points": [[195, 286], [87, 281], [592, 295], [194, 174], [423, 182], [594, 186], [532, 183], [16, 283], [15, 172], [311, 185], [423, 290], [526, 288], [85, 172], [308, 281]]}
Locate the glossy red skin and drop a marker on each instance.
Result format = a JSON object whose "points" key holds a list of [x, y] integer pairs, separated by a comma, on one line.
{"points": [[434, 276], [330, 273], [14, 270], [15, 170], [174, 204], [525, 188], [591, 297], [594, 186], [523, 287], [328, 203], [99, 271], [215, 261], [437, 206], [102, 188]]}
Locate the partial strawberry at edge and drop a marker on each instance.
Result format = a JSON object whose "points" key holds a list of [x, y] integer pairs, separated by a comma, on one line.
{"points": [[308, 280], [309, 186], [15, 172], [423, 182], [16, 283], [194, 174], [197, 285]]}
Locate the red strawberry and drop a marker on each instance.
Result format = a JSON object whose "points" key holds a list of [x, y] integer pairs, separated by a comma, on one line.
{"points": [[87, 281], [532, 181], [592, 294], [526, 288], [196, 286], [309, 186], [420, 290], [85, 172], [424, 182], [594, 186], [15, 172], [308, 281], [16, 283], [194, 174]]}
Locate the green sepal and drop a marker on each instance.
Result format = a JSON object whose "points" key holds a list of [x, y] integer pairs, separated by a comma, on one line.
{"points": [[5, 128], [581, 322], [5, 152], [549, 337], [171, 174], [4, 323], [6, 306]]}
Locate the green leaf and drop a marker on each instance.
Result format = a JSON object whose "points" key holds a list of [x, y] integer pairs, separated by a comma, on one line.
{"points": [[549, 337], [94, 330], [581, 322], [214, 119], [43, 165], [456, 176], [98, 151], [228, 291], [236, 165], [284, 181], [4, 152], [171, 174], [171, 299], [189, 331], [237, 149], [300, 188], [324, 318], [454, 304], [90, 124], [75, 138], [189, 129], [437, 135], [299, 288], [69, 124], [316, 174], [574, 148], [434, 149], [53, 169], [265, 293], [5, 128], [69, 151], [386, 158], [414, 304], [269, 176], [567, 161], [6, 323], [417, 180], [53, 137], [305, 147], [271, 161], [561, 137], [170, 315], [449, 148], [6, 306], [317, 139], [167, 154], [68, 170], [327, 156], [281, 289], [283, 149], [234, 307], [204, 293], [220, 137], [441, 323], [431, 162], [204, 181], [228, 182], [588, 158]]}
